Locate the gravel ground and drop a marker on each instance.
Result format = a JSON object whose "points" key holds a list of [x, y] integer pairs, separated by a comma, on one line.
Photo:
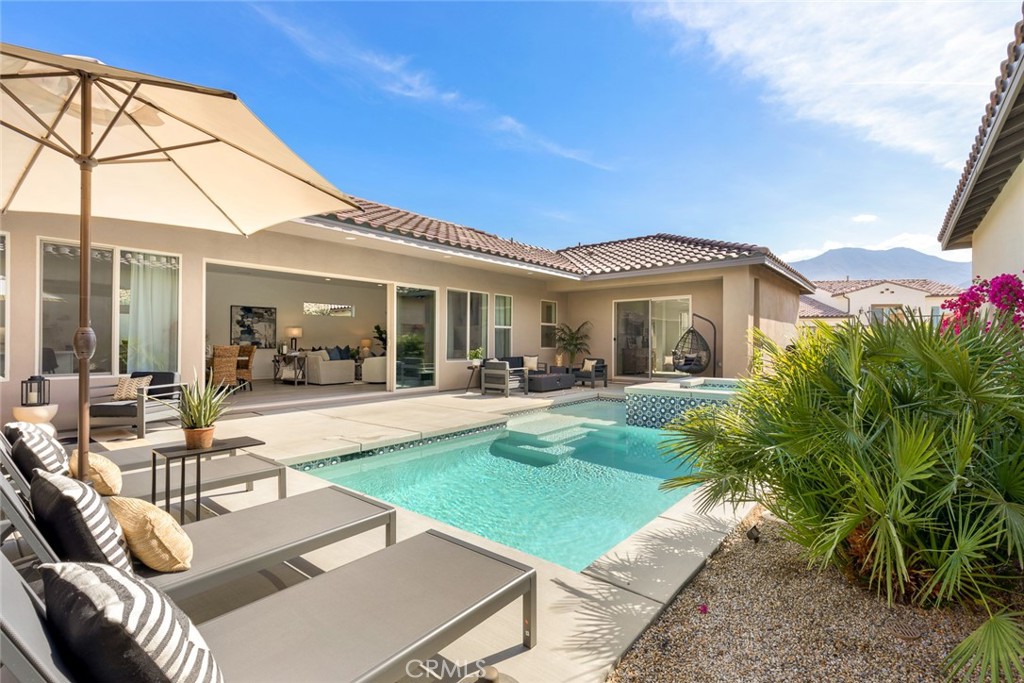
{"points": [[770, 618]]}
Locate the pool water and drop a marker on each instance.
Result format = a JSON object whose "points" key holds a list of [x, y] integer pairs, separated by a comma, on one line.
{"points": [[565, 485]]}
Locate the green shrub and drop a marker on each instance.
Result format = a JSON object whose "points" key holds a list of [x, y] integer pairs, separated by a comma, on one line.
{"points": [[894, 451]]}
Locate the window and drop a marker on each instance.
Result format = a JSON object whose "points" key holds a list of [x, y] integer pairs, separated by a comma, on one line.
{"points": [[467, 323], [333, 310], [148, 317], [502, 326], [3, 305], [548, 323], [936, 315], [146, 321], [60, 308]]}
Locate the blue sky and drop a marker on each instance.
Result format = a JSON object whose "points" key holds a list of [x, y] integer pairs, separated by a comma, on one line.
{"points": [[799, 126]]}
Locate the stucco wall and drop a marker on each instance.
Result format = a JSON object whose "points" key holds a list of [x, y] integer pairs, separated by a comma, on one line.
{"points": [[778, 306], [265, 249], [998, 242]]}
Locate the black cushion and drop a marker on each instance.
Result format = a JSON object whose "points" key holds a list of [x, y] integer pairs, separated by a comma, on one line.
{"points": [[116, 627], [159, 379], [513, 361], [37, 449], [114, 409], [75, 521]]}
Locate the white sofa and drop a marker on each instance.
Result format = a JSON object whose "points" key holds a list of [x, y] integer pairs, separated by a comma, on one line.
{"points": [[320, 369], [375, 369]]}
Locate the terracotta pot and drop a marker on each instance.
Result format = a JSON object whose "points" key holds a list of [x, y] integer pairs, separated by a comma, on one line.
{"points": [[198, 438]]}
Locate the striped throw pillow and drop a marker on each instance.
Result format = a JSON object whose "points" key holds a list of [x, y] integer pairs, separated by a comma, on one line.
{"points": [[128, 387], [74, 520], [119, 628], [37, 449]]}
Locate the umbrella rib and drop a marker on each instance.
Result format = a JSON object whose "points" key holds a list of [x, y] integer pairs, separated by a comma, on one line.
{"points": [[120, 110], [43, 74], [50, 129], [155, 150]]}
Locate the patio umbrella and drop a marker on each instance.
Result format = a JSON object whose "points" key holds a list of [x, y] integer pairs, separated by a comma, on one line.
{"points": [[162, 151]]}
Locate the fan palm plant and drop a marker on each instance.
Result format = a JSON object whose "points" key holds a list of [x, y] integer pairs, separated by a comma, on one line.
{"points": [[573, 341], [895, 450]]}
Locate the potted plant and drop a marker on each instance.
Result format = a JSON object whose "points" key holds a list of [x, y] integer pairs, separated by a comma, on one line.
{"points": [[573, 341], [201, 404], [476, 356]]}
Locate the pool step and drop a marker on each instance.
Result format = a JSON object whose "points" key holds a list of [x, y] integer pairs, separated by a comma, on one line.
{"points": [[537, 456], [544, 430]]}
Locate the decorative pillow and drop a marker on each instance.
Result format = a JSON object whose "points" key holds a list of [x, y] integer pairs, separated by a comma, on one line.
{"points": [[128, 387], [334, 353], [530, 362], [73, 519], [13, 430], [588, 365], [153, 536], [103, 473], [346, 353], [37, 449], [116, 627]]}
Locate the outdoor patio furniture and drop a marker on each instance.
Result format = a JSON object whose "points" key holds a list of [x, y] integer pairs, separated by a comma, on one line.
{"points": [[598, 372], [246, 360], [138, 412], [496, 375], [227, 547], [375, 370], [365, 621], [692, 353], [550, 381], [320, 369], [224, 366]]}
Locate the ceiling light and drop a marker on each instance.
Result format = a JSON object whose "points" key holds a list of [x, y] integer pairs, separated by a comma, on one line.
{"points": [[350, 238], [327, 279]]}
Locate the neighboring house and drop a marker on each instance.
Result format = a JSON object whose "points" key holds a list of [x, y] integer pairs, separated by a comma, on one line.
{"points": [[866, 299], [987, 210], [438, 288], [813, 311]]}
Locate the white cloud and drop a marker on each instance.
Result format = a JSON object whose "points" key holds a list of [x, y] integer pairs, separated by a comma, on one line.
{"points": [[912, 76], [396, 75], [920, 242], [864, 218]]}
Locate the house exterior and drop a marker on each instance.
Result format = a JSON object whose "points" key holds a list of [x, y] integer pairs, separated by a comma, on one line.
{"points": [[986, 213], [865, 299], [813, 311], [438, 288]]}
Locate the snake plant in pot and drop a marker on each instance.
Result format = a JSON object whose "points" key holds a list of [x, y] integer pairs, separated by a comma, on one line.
{"points": [[200, 406]]}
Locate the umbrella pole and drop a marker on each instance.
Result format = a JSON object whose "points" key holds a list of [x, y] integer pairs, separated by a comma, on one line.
{"points": [[84, 343]]}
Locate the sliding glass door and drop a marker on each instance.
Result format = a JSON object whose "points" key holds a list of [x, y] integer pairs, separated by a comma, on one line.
{"points": [[415, 356], [646, 333]]}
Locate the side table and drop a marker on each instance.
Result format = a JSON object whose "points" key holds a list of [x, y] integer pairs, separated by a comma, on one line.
{"points": [[179, 452], [37, 415], [296, 362]]}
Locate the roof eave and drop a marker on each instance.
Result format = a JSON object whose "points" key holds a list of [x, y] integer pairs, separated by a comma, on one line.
{"points": [[755, 260]]}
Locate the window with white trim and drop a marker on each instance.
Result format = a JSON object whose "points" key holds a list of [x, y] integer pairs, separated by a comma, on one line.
{"points": [[467, 323], [502, 326], [548, 323]]}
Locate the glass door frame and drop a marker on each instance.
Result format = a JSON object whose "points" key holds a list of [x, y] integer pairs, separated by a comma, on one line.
{"points": [[392, 324], [616, 371]]}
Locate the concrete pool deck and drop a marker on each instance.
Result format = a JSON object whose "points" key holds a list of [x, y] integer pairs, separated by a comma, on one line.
{"points": [[586, 620]]}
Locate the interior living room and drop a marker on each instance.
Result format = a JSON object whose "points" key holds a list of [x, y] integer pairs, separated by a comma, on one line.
{"points": [[314, 335]]}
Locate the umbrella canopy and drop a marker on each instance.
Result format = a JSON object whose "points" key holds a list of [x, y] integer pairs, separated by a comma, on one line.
{"points": [[161, 151]]}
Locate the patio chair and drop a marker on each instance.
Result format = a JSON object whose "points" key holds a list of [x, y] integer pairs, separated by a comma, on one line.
{"points": [[246, 359], [598, 370], [243, 542], [496, 375], [140, 411], [365, 621]]}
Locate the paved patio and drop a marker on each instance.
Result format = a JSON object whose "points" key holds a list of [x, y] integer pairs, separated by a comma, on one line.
{"points": [[586, 619]]}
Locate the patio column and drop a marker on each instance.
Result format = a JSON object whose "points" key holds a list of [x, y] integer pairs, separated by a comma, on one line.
{"points": [[737, 319]]}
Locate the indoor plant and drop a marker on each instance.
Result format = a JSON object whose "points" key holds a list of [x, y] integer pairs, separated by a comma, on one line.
{"points": [[573, 341], [476, 355], [200, 405]]}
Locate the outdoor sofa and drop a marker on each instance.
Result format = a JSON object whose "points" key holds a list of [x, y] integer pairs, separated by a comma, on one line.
{"points": [[137, 412]]}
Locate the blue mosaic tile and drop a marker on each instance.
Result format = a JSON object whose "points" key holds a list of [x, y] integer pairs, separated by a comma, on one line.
{"points": [[655, 411]]}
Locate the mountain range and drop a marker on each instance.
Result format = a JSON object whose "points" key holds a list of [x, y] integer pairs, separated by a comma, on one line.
{"points": [[888, 264]]}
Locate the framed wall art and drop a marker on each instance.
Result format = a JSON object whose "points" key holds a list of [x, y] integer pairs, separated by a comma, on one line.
{"points": [[256, 325]]}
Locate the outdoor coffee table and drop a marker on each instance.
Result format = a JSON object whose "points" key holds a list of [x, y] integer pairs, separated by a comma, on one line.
{"points": [[179, 452]]}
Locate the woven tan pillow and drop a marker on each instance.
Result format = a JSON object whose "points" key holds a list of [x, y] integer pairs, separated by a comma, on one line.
{"points": [[530, 363], [128, 387], [103, 473], [153, 536], [588, 365]]}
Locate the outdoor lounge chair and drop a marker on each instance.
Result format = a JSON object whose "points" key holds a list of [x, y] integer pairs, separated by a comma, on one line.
{"points": [[496, 375], [365, 621], [244, 542], [598, 373], [140, 411]]}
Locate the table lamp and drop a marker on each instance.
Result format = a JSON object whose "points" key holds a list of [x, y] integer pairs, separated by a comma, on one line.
{"points": [[296, 334], [364, 347]]}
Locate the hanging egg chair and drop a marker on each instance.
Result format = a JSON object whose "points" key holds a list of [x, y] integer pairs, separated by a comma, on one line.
{"points": [[692, 353]]}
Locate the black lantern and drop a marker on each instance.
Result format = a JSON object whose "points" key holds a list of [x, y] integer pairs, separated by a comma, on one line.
{"points": [[35, 391]]}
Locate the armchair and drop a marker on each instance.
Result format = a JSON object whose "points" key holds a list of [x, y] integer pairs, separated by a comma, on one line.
{"points": [[498, 376], [375, 370], [320, 369], [593, 369], [142, 409]]}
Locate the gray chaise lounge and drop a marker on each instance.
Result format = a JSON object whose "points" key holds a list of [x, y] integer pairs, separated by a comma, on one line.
{"points": [[244, 542], [365, 621]]}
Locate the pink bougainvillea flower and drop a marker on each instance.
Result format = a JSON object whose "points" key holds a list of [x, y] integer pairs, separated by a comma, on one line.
{"points": [[702, 608]]}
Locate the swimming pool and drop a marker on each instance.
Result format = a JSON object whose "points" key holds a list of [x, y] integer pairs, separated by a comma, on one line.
{"points": [[565, 484]]}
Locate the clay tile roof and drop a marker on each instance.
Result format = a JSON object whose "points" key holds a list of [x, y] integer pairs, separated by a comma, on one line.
{"points": [[408, 224], [930, 287], [1007, 151], [812, 308], [664, 250]]}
